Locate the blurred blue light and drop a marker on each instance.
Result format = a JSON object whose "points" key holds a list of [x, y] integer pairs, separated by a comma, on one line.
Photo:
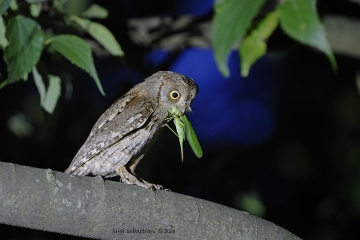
{"points": [[157, 56], [232, 110], [195, 8]]}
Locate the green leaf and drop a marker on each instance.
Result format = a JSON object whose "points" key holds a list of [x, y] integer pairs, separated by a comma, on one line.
{"points": [[232, 19], [4, 83], [25, 76], [78, 52], [3, 40], [35, 10], [40, 85], [52, 94], [101, 34], [191, 137], [48, 99], [254, 46], [25, 46], [4, 5], [300, 20], [95, 11], [14, 5]]}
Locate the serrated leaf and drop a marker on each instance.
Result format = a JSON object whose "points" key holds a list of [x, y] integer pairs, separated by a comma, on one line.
{"points": [[300, 20], [232, 19], [4, 5], [39, 84], [95, 11], [52, 94], [78, 52], [101, 34], [25, 46], [3, 40], [254, 46]]}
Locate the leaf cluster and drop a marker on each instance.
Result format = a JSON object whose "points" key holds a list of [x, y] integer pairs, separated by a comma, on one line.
{"points": [[32, 28], [232, 27]]}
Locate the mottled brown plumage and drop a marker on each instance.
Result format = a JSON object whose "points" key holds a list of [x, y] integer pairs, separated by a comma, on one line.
{"points": [[126, 130]]}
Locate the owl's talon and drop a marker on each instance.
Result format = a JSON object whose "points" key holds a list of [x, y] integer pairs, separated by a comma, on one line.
{"points": [[127, 177], [153, 186]]}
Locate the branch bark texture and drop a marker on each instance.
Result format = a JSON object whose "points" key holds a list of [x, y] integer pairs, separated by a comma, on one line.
{"points": [[91, 207]]}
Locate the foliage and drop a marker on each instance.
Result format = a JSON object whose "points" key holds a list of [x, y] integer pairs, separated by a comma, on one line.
{"points": [[232, 26], [24, 39]]}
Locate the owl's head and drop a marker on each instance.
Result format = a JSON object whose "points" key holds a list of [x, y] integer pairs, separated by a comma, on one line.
{"points": [[172, 89]]}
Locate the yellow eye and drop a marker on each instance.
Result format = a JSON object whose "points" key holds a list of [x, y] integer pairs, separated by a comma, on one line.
{"points": [[174, 95]]}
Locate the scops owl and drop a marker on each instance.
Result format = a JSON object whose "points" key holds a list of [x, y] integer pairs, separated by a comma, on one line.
{"points": [[126, 130]]}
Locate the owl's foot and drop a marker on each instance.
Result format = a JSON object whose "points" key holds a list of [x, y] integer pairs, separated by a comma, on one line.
{"points": [[129, 178], [155, 186]]}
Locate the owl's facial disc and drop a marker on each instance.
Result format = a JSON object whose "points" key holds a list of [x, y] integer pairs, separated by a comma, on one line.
{"points": [[175, 90], [177, 96]]}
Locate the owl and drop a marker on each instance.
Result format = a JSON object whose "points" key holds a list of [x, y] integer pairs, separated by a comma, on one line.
{"points": [[127, 129]]}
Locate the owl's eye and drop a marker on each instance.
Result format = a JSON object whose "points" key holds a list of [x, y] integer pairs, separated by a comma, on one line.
{"points": [[174, 95]]}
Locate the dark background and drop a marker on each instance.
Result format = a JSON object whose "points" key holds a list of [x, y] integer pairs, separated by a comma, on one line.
{"points": [[282, 143]]}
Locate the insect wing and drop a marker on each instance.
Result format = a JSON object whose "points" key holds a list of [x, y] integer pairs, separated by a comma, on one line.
{"points": [[181, 134], [191, 137]]}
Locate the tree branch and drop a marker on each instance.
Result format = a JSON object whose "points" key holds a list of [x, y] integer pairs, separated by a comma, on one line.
{"points": [[90, 207]]}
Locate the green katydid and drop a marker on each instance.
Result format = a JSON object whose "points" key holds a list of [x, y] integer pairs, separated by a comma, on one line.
{"points": [[180, 128], [184, 130], [191, 137]]}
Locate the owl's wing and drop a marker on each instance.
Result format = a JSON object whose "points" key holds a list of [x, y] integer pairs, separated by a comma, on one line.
{"points": [[127, 114]]}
